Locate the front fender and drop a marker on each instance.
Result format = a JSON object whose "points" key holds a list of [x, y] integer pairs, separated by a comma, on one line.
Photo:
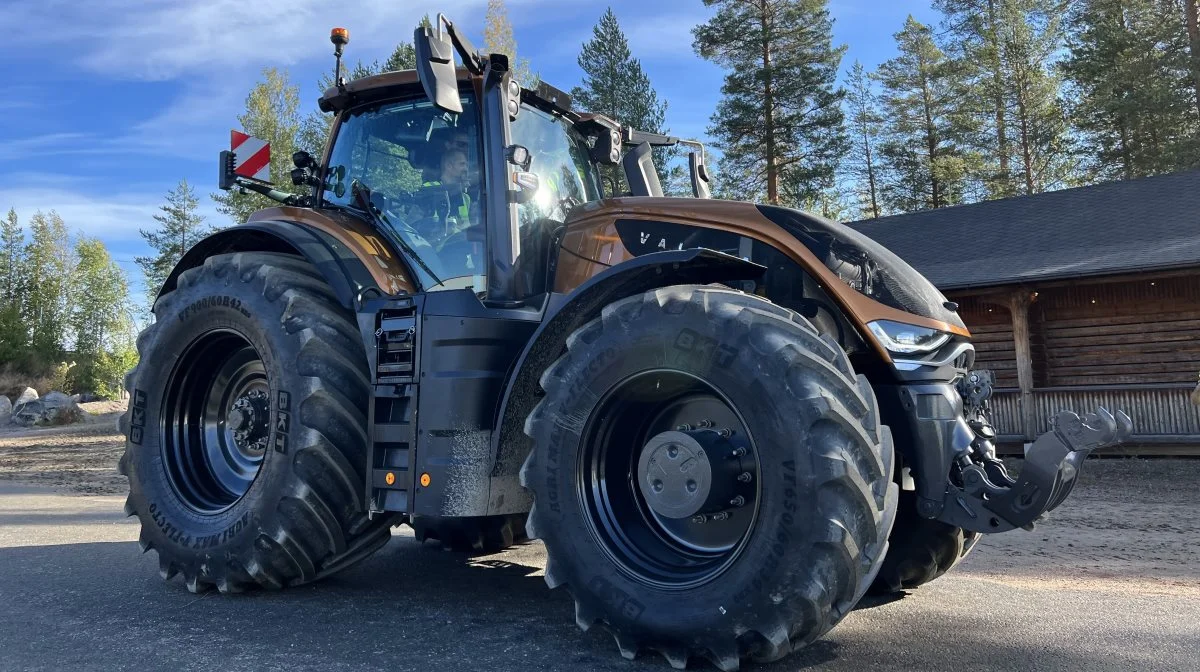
{"points": [[566, 313], [345, 273]]}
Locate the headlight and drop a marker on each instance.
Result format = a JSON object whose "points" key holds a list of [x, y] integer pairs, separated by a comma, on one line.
{"points": [[906, 338]]}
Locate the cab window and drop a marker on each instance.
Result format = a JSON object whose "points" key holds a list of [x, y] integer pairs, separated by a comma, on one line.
{"points": [[419, 170]]}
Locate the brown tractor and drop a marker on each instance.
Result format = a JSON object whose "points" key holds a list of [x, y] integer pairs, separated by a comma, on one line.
{"points": [[726, 422]]}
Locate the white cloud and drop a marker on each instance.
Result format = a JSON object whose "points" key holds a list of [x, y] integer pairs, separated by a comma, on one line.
{"points": [[111, 217], [665, 36], [162, 40]]}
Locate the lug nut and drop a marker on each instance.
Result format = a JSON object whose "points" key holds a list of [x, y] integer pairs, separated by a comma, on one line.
{"points": [[683, 428], [725, 432], [738, 452], [744, 477], [706, 423], [721, 515], [737, 501], [699, 519]]}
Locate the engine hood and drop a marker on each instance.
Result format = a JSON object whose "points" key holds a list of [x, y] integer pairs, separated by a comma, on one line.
{"points": [[865, 265]]}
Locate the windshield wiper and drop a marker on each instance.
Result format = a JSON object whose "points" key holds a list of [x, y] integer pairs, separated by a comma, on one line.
{"points": [[362, 197]]}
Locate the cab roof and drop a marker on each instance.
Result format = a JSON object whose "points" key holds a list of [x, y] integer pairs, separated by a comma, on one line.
{"points": [[337, 98], [366, 88]]}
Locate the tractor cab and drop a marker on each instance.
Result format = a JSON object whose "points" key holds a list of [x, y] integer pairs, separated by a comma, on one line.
{"points": [[469, 174], [423, 173]]}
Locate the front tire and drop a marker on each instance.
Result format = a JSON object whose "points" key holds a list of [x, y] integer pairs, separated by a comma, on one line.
{"points": [[800, 525], [922, 550], [246, 433]]}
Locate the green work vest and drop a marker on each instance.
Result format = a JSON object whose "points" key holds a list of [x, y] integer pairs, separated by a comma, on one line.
{"points": [[463, 211]]}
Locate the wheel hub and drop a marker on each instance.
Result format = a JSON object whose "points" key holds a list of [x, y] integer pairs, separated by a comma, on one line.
{"points": [[248, 420], [684, 473], [675, 475]]}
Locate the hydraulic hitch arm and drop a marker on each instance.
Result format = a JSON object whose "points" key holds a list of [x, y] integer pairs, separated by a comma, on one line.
{"points": [[989, 500]]}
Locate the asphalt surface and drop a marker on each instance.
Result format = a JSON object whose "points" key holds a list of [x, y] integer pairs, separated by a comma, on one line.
{"points": [[77, 593]]}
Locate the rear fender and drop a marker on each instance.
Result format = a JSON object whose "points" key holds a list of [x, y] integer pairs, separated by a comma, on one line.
{"points": [[565, 314], [346, 274]]}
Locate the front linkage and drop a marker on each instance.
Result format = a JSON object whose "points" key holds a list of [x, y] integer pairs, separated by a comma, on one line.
{"points": [[987, 499]]}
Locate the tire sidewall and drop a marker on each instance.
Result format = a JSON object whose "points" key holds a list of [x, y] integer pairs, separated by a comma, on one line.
{"points": [[221, 302], [718, 351]]}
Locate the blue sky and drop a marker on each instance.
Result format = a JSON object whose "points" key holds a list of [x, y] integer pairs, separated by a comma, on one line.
{"points": [[108, 104]]}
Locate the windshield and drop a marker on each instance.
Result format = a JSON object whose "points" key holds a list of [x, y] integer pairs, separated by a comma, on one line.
{"points": [[560, 160], [416, 170], [868, 267]]}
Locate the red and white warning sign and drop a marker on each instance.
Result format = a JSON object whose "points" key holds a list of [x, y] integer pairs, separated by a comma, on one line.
{"points": [[252, 157]]}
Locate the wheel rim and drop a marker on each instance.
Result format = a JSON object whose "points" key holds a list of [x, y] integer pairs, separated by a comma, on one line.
{"points": [[669, 478], [216, 422]]}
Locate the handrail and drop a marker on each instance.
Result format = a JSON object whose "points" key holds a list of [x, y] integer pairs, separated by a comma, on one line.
{"points": [[1131, 387]]}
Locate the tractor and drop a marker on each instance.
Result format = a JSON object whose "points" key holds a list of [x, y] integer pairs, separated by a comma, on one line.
{"points": [[726, 422]]}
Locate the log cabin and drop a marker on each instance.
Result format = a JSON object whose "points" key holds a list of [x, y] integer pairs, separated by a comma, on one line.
{"points": [[1076, 298]]}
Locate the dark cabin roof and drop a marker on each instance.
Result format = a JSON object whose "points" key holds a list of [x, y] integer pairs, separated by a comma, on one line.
{"points": [[1119, 227]]}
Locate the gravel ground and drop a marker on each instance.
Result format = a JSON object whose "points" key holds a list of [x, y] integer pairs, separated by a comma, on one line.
{"points": [[1110, 582], [79, 458]]}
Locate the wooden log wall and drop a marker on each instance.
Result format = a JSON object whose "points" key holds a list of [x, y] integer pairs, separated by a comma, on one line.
{"points": [[1132, 344], [1134, 332], [992, 333]]}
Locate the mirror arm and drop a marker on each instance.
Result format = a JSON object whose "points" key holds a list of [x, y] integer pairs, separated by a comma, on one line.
{"points": [[471, 58], [271, 193]]}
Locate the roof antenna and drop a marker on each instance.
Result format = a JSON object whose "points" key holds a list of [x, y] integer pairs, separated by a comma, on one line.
{"points": [[340, 37]]}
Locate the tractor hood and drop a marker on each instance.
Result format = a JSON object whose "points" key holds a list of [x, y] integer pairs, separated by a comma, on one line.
{"points": [[884, 286], [870, 268]]}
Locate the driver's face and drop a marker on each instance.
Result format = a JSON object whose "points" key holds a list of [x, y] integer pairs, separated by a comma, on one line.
{"points": [[454, 167]]}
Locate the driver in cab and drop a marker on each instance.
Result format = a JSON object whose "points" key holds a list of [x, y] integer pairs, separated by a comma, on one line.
{"points": [[447, 201]]}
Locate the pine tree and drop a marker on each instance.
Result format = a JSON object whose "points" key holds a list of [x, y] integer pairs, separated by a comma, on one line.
{"points": [[923, 154], [12, 242], [1191, 13], [615, 85], [866, 128], [13, 331], [498, 39], [1005, 50], [779, 124], [1129, 69], [44, 300], [179, 228], [272, 114]]}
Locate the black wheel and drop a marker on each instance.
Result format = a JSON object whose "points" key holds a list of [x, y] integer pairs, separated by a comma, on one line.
{"points": [[482, 534], [246, 433], [921, 549], [709, 476]]}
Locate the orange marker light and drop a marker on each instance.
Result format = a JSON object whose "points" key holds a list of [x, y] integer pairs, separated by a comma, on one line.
{"points": [[389, 478], [339, 36], [425, 480]]}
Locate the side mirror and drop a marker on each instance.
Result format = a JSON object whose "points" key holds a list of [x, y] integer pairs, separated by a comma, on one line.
{"points": [[700, 179], [435, 68], [227, 179], [640, 171]]}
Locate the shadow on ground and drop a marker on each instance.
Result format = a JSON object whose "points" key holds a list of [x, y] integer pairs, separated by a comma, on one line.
{"points": [[413, 606]]}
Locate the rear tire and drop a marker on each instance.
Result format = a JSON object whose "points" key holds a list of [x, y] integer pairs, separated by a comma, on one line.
{"points": [[818, 516], [481, 534], [266, 488]]}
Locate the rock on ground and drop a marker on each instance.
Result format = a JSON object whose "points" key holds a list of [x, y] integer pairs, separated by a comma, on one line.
{"points": [[55, 408], [27, 395]]}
